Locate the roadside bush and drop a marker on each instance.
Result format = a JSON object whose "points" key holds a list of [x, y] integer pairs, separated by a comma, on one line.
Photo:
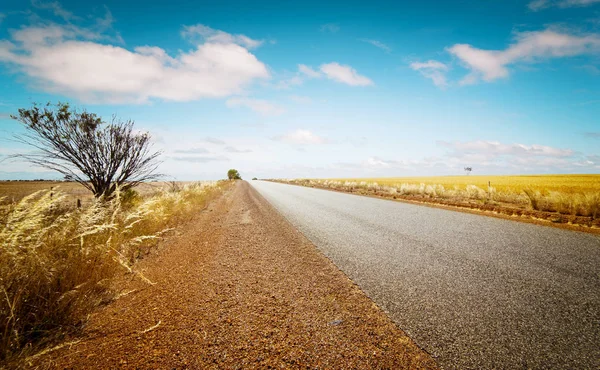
{"points": [[475, 192], [538, 201], [56, 264], [592, 205]]}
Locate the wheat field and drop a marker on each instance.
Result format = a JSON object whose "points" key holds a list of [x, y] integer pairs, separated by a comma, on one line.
{"points": [[514, 183], [573, 195]]}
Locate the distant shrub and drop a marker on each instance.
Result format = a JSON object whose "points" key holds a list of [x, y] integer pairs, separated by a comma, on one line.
{"points": [[233, 174]]}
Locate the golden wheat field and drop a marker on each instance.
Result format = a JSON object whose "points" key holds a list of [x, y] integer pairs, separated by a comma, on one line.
{"points": [[508, 184], [575, 195]]}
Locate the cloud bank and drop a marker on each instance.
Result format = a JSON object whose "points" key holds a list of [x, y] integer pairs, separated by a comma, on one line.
{"points": [[529, 47], [301, 137], [537, 5], [72, 61]]}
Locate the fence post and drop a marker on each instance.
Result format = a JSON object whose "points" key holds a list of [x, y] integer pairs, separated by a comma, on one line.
{"points": [[78, 203]]}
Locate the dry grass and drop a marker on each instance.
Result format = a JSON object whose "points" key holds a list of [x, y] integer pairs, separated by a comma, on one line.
{"points": [[505, 184], [577, 196], [13, 191], [57, 261]]}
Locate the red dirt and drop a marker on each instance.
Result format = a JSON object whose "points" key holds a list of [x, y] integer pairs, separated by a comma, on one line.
{"points": [[239, 287]]}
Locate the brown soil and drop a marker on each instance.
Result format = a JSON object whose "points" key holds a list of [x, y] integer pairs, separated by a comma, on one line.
{"points": [[239, 287], [509, 211]]}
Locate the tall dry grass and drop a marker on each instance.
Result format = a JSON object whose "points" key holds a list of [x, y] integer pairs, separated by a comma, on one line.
{"points": [[583, 201], [56, 263]]}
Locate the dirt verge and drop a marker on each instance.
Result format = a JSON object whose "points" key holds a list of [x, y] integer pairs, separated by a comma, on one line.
{"points": [[239, 288]]}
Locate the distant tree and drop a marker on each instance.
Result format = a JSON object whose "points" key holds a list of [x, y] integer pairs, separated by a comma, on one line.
{"points": [[233, 174], [468, 170], [100, 156], [254, 178]]}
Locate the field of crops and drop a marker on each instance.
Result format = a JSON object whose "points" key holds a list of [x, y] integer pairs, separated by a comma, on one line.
{"points": [[513, 184], [575, 198]]}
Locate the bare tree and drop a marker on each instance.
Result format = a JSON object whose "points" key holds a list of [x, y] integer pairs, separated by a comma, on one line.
{"points": [[100, 156], [468, 170]]}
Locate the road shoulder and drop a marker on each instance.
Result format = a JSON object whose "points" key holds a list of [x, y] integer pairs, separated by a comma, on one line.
{"points": [[240, 288]]}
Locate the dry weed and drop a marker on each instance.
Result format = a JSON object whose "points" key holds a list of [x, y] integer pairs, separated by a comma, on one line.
{"points": [[56, 263]]}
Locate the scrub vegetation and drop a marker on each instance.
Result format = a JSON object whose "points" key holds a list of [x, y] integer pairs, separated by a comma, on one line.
{"points": [[57, 261], [569, 199]]}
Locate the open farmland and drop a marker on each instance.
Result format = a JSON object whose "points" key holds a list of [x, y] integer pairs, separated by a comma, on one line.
{"points": [[13, 191], [569, 184], [560, 199]]}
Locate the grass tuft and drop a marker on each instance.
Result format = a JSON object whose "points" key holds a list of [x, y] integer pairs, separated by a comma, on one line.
{"points": [[56, 262]]}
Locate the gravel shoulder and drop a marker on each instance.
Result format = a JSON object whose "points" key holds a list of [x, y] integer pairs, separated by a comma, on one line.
{"points": [[239, 287]]}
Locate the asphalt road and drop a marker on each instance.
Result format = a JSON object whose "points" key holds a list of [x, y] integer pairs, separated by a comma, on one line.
{"points": [[473, 291]]}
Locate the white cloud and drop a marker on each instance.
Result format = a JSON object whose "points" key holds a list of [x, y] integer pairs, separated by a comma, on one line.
{"points": [[538, 5], [57, 60], [344, 74], [543, 4], [257, 105], [495, 148], [432, 69], [213, 140], [333, 71], [484, 157], [232, 149], [378, 44], [330, 27], [301, 137], [530, 47], [194, 150], [290, 82], [199, 159], [211, 35], [376, 162], [300, 99], [55, 7], [308, 71]]}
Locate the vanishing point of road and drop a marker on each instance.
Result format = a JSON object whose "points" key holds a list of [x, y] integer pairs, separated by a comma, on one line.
{"points": [[473, 291]]}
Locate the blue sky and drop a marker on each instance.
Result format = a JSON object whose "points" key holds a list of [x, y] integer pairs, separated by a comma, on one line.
{"points": [[318, 89]]}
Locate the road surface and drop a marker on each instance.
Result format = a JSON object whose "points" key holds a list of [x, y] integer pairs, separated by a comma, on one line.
{"points": [[473, 291]]}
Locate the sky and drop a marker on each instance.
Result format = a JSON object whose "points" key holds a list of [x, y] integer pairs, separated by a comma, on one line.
{"points": [[282, 89]]}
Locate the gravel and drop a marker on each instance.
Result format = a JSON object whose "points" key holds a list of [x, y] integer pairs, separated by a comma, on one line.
{"points": [[239, 288], [473, 291]]}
